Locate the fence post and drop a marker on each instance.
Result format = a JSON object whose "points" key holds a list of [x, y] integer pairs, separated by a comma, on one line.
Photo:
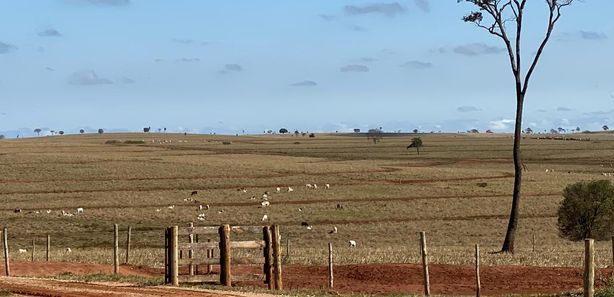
{"points": [[612, 255], [589, 268], [477, 270], [330, 266], [167, 248], [425, 264], [225, 255], [48, 247], [128, 244], [191, 252], [174, 255], [33, 248], [5, 241], [266, 236], [533, 242], [277, 258], [115, 249]]}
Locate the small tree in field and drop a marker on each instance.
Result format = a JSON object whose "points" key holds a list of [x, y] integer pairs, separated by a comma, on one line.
{"points": [[605, 128], [38, 131], [504, 19], [283, 131], [100, 131], [416, 142], [82, 131], [376, 135], [61, 132], [587, 211]]}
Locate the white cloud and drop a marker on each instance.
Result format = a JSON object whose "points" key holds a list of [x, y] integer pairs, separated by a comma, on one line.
{"points": [[503, 124]]}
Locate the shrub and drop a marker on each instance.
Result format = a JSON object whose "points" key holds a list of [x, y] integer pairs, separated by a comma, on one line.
{"points": [[112, 142], [227, 142], [134, 142], [587, 211]]}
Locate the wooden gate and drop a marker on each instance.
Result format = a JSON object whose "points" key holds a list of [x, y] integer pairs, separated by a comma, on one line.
{"points": [[212, 245]]}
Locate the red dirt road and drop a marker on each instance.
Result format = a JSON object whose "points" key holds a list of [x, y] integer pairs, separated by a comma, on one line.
{"points": [[372, 279]]}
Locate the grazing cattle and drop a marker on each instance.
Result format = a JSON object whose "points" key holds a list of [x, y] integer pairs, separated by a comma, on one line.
{"points": [[278, 189], [253, 197], [265, 218], [17, 210], [68, 250], [80, 210], [265, 203], [339, 206], [310, 186], [300, 209], [334, 231], [23, 251], [290, 189], [171, 207], [352, 243], [304, 224], [327, 186], [194, 193]]}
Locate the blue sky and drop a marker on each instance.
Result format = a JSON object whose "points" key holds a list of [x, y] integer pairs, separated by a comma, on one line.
{"points": [[316, 65]]}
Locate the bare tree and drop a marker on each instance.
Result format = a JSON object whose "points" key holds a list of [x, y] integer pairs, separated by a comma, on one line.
{"points": [[494, 16]]}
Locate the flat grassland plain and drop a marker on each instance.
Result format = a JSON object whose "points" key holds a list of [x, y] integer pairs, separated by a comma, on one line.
{"points": [[458, 190]]}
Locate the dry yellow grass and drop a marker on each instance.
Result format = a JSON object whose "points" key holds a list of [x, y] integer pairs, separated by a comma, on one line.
{"points": [[388, 193]]}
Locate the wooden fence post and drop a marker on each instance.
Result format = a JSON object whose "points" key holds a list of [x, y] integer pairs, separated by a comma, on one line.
{"points": [[128, 244], [425, 264], [589, 268], [167, 248], [533, 242], [612, 255], [115, 249], [33, 248], [478, 287], [191, 252], [174, 255], [48, 247], [266, 236], [225, 256], [5, 241], [330, 266], [277, 257]]}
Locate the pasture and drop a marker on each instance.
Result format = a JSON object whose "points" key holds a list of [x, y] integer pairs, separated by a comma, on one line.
{"points": [[381, 195]]}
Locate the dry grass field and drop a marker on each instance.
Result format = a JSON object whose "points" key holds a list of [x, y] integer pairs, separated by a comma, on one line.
{"points": [[458, 190]]}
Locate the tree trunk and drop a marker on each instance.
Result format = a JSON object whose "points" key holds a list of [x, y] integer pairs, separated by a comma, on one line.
{"points": [[508, 244]]}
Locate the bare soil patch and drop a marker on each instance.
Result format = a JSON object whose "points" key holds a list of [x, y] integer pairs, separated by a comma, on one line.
{"points": [[369, 278]]}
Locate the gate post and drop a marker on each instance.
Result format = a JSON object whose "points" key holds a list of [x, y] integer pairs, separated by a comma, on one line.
{"points": [[174, 255], [167, 249], [266, 237], [225, 256], [276, 258]]}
